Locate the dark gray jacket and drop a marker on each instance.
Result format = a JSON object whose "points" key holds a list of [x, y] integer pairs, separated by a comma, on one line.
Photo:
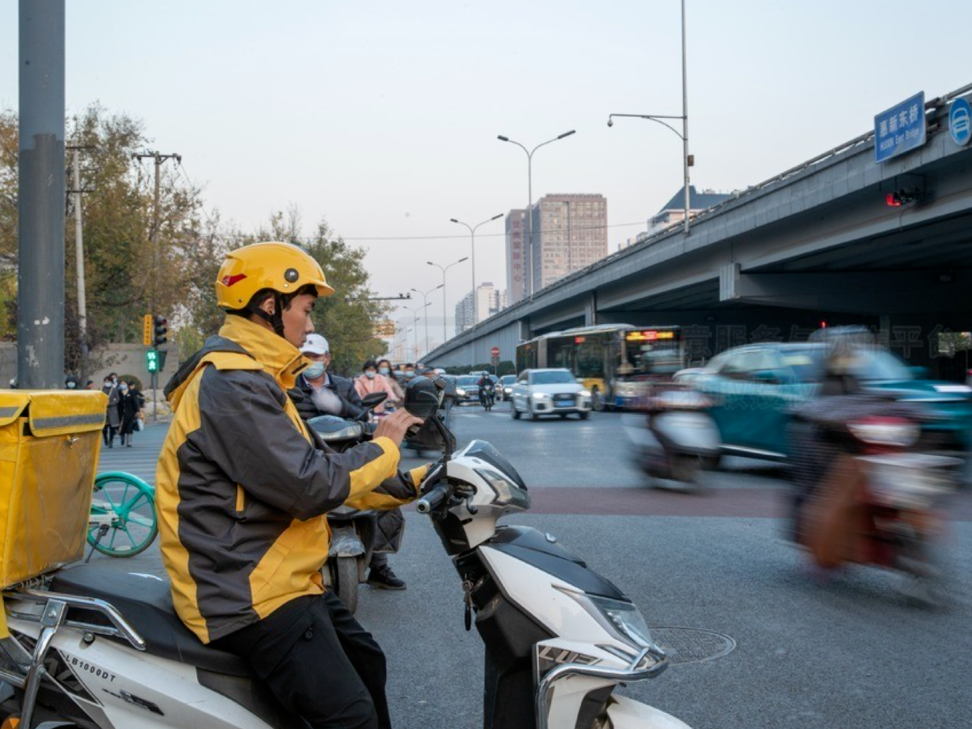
{"points": [[340, 386]]}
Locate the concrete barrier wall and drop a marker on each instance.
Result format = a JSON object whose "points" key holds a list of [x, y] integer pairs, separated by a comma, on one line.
{"points": [[125, 359]]}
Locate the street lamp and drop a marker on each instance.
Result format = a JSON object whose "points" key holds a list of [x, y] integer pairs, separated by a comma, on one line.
{"points": [[444, 269], [401, 328], [687, 159], [472, 234], [415, 321], [425, 298], [529, 154]]}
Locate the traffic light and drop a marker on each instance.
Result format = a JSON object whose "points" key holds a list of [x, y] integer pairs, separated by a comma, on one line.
{"points": [[161, 330], [147, 330], [152, 360]]}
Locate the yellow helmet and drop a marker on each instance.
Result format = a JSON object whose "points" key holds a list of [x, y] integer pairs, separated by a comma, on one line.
{"points": [[282, 267]]}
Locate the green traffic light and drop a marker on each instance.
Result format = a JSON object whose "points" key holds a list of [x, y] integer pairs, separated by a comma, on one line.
{"points": [[152, 360]]}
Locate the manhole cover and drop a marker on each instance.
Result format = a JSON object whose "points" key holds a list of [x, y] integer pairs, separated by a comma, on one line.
{"points": [[692, 645]]}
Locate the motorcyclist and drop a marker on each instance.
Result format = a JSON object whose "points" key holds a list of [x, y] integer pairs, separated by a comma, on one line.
{"points": [[484, 381], [243, 487], [318, 392]]}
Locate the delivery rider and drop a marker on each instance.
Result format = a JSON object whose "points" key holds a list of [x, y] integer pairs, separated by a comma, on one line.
{"points": [[243, 489]]}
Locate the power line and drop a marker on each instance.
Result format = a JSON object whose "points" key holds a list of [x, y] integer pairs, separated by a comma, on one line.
{"points": [[574, 228]]}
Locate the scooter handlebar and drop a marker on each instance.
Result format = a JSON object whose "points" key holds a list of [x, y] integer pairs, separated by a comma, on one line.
{"points": [[433, 499]]}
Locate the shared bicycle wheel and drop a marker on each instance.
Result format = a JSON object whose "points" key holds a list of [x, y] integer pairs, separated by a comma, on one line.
{"points": [[126, 505]]}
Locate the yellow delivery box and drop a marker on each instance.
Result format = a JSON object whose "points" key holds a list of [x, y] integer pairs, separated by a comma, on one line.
{"points": [[49, 446]]}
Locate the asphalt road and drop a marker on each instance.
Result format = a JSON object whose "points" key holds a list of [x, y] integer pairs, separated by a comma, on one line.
{"points": [[852, 652]]}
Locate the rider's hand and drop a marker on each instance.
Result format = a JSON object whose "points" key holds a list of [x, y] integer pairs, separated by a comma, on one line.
{"points": [[395, 425]]}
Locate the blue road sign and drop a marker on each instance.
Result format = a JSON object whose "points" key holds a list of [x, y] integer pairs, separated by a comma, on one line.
{"points": [[900, 129], [960, 122]]}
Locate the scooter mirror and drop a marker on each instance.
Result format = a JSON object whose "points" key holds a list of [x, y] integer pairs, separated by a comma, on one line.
{"points": [[423, 397], [374, 399]]}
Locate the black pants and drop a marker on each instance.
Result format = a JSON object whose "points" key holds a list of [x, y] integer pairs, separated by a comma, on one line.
{"points": [[319, 663]]}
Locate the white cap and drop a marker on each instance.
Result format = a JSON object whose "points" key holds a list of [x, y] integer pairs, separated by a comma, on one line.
{"points": [[315, 344]]}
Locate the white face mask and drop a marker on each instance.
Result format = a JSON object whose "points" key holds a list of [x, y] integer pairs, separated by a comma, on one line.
{"points": [[370, 374], [383, 370], [315, 370], [409, 374], [123, 388]]}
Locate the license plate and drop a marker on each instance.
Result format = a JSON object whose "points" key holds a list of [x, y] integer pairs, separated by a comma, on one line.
{"points": [[563, 404]]}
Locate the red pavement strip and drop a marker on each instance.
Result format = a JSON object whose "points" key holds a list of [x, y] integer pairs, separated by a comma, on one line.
{"points": [[737, 502]]}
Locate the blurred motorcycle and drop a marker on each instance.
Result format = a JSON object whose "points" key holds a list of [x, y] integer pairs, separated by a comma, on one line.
{"points": [[681, 438], [864, 493]]}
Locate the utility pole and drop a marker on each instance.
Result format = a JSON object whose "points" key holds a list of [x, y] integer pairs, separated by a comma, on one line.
{"points": [[79, 259], [160, 159], [40, 174], [154, 241]]}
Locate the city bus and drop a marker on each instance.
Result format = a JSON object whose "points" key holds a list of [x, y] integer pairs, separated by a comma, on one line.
{"points": [[607, 356]]}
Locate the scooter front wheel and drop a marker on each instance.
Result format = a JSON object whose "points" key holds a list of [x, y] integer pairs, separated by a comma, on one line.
{"points": [[344, 580]]}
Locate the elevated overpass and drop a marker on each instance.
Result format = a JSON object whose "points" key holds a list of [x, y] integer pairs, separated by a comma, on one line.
{"points": [[815, 243]]}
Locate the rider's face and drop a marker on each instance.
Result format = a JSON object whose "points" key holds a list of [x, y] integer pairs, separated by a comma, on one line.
{"points": [[297, 319]]}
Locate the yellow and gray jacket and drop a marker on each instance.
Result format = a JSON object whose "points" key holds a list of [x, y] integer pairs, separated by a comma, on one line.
{"points": [[243, 485]]}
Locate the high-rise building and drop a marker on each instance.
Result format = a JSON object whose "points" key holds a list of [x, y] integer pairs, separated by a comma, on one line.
{"points": [[674, 212], [516, 270], [488, 300], [569, 233]]}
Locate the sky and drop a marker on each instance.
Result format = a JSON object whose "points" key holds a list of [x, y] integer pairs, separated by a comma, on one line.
{"points": [[382, 117]]}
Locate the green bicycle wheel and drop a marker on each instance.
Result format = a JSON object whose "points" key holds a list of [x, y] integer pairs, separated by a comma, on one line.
{"points": [[125, 504]]}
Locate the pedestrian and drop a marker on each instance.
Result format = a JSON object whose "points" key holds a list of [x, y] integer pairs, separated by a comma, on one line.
{"points": [[70, 382], [385, 370], [137, 394], [370, 382], [89, 385], [113, 418], [128, 413]]}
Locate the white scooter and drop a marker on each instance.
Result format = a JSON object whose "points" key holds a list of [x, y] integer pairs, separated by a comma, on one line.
{"points": [[91, 648]]}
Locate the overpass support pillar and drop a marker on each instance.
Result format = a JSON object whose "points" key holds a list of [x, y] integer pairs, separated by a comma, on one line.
{"points": [[590, 310], [524, 332]]}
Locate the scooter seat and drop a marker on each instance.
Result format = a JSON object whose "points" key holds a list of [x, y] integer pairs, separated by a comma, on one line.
{"points": [[146, 602]]}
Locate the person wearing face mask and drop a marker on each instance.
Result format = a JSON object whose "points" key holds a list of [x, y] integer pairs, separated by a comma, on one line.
{"points": [[370, 381], [317, 391], [113, 420], [71, 382], [243, 488], [385, 370], [407, 374], [128, 412]]}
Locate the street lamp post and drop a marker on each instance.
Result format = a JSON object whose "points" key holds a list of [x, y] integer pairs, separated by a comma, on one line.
{"points": [[687, 159], [444, 269], [472, 248], [529, 154], [425, 298], [415, 321]]}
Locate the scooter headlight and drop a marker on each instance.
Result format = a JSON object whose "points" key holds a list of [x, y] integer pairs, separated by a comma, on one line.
{"points": [[623, 620], [626, 619], [506, 491]]}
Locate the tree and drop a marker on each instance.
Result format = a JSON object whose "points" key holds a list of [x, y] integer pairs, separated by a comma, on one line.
{"points": [[347, 318], [124, 278], [117, 211]]}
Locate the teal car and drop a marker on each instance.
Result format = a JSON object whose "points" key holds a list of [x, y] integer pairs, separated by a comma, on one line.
{"points": [[753, 389]]}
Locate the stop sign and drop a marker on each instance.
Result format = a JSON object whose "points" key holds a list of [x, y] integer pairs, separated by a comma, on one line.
{"points": [[494, 351]]}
